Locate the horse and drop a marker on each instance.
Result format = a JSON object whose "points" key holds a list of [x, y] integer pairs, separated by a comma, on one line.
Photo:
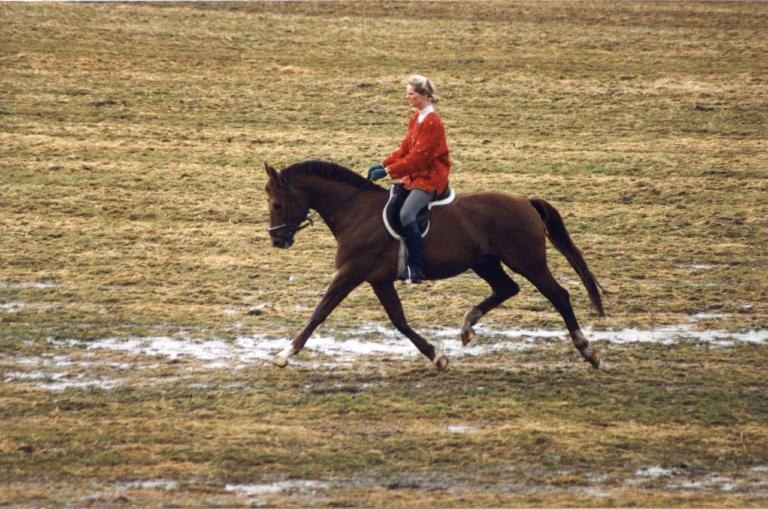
{"points": [[478, 232]]}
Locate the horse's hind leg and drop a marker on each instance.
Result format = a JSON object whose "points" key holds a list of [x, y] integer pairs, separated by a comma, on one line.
{"points": [[503, 287], [543, 280], [391, 301]]}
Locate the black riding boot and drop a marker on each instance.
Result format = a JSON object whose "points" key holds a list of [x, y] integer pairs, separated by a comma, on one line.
{"points": [[415, 270]]}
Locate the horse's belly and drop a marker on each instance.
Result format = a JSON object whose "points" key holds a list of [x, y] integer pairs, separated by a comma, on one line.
{"points": [[448, 250]]}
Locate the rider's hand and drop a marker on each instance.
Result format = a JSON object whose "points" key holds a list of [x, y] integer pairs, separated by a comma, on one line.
{"points": [[376, 171]]}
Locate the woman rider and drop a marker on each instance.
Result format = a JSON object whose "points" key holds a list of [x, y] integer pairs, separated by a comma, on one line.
{"points": [[423, 164]]}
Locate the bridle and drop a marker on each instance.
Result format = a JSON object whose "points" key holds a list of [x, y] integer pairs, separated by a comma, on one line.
{"points": [[294, 226]]}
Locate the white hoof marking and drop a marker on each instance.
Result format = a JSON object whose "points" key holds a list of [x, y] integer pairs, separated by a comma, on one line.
{"points": [[281, 360]]}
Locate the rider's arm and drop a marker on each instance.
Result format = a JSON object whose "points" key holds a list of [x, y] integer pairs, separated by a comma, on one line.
{"points": [[405, 145]]}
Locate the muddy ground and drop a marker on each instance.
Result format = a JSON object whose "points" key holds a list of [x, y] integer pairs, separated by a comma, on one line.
{"points": [[141, 301]]}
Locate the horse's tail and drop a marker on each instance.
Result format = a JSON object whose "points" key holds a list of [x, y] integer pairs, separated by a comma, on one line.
{"points": [[559, 237]]}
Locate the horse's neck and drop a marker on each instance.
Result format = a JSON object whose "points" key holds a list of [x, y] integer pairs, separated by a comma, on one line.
{"points": [[341, 205]]}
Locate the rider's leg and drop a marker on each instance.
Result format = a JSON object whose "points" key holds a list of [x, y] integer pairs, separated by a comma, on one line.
{"points": [[416, 200]]}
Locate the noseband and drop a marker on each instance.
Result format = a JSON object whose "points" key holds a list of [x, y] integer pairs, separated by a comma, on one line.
{"points": [[292, 227]]}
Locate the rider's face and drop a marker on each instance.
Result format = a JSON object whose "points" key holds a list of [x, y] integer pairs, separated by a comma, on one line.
{"points": [[416, 100]]}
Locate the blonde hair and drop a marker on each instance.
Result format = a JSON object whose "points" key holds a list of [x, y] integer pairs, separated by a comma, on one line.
{"points": [[423, 86]]}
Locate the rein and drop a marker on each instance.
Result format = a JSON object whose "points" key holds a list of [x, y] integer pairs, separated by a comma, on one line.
{"points": [[293, 227]]}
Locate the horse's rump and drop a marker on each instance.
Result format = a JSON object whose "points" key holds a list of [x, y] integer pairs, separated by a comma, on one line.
{"points": [[489, 218]]}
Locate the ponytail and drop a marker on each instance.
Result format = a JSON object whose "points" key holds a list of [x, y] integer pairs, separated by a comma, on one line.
{"points": [[424, 86]]}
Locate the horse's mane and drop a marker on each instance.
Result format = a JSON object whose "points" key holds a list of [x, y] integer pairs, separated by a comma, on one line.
{"points": [[328, 170]]}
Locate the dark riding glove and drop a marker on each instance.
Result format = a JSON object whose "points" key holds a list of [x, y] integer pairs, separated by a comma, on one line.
{"points": [[376, 171]]}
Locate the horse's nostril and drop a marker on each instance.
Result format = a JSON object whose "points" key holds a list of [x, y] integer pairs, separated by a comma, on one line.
{"points": [[275, 243]]}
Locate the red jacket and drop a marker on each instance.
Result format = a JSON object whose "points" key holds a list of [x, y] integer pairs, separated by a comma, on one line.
{"points": [[422, 161]]}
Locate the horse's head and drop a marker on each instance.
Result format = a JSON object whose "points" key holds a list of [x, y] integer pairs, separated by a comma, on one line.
{"points": [[288, 210]]}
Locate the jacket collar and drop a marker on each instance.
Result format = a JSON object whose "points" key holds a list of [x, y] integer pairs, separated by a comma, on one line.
{"points": [[423, 113]]}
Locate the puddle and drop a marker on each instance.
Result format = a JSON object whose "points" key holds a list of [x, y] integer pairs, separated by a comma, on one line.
{"points": [[461, 428], [216, 352], [367, 341], [17, 306], [657, 471], [701, 317], [153, 484], [753, 481], [296, 485], [592, 491], [59, 381], [77, 363], [373, 339], [12, 307], [652, 479], [709, 483], [672, 334], [62, 361], [42, 285]]}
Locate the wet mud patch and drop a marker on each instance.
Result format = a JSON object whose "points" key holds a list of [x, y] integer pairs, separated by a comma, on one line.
{"points": [[213, 422], [109, 363], [374, 339], [124, 224], [655, 481]]}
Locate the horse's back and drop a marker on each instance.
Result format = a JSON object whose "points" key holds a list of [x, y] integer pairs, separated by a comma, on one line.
{"points": [[497, 210], [488, 199]]}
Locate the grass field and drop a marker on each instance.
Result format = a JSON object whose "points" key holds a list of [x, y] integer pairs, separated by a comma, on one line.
{"points": [[140, 295]]}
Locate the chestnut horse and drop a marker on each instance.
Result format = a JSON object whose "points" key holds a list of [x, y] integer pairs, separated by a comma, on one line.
{"points": [[479, 231]]}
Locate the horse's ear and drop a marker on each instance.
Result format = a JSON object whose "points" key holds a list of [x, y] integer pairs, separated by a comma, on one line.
{"points": [[271, 173]]}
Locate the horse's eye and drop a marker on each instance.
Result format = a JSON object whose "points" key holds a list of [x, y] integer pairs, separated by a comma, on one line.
{"points": [[277, 206]]}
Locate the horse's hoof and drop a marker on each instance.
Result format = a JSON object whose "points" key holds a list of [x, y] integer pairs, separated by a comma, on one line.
{"points": [[593, 357], [470, 319], [441, 362], [281, 359], [466, 335]]}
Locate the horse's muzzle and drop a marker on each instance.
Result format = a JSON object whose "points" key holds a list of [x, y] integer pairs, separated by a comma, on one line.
{"points": [[283, 242]]}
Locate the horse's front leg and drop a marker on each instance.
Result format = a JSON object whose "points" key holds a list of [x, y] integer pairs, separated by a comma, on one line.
{"points": [[340, 287], [388, 297]]}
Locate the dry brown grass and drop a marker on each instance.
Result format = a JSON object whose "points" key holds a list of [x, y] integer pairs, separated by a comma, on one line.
{"points": [[132, 141]]}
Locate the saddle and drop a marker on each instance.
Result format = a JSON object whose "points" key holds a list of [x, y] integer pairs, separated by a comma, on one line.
{"points": [[391, 215], [397, 195]]}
